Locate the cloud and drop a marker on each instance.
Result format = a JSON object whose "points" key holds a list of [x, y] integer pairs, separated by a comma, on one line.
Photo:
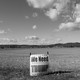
{"points": [[52, 13], [47, 41], [70, 26], [39, 3], [27, 17], [73, 25], [35, 40], [32, 38], [35, 15], [77, 13], [58, 40], [57, 8], [2, 32], [13, 41], [4, 40], [51, 8], [34, 27], [67, 9], [8, 41], [5, 31]]}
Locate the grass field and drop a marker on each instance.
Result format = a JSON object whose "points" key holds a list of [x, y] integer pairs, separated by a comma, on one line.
{"points": [[64, 64]]}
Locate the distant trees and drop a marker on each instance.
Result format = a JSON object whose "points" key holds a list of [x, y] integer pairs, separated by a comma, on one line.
{"points": [[60, 45]]}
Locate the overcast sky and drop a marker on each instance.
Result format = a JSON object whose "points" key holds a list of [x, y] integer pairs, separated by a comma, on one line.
{"points": [[39, 21]]}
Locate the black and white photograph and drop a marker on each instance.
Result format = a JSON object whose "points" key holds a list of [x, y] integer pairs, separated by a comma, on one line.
{"points": [[39, 39]]}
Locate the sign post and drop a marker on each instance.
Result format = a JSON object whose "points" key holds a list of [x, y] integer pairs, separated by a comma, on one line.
{"points": [[39, 64]]}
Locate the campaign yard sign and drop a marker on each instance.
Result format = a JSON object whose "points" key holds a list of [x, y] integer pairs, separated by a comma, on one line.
{"points": [[38, 64]]}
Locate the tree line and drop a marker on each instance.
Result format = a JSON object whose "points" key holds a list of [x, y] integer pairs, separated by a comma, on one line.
{"points": [[58, 45]]}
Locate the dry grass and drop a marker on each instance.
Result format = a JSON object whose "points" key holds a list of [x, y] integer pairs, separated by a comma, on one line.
{"points": [[23, 74], [62, 67], [17, 68]]}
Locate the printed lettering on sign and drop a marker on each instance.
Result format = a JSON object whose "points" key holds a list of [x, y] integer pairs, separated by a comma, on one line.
{"points": [[38, 64], [40, 59]]}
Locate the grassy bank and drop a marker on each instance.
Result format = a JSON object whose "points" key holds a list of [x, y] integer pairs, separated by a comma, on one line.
{"points": [[17, 68], [22, 74]]}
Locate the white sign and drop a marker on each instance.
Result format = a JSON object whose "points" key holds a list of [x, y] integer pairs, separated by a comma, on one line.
{"points": [[38, 64]]}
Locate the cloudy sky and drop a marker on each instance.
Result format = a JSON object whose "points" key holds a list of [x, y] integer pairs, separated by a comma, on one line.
{"points": [[39, 21]]}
